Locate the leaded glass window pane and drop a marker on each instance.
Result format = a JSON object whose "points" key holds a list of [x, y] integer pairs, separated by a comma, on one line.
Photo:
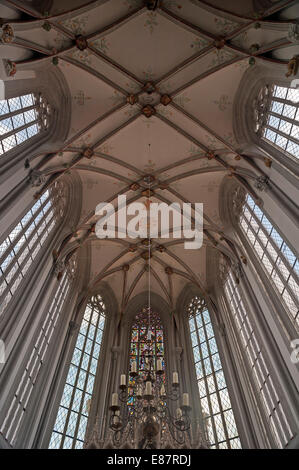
{"points": [[71, 421], [22, 118], [22, 245], [36, 359], [214, 396], [276, 257], [282, 120], [257, 365]]}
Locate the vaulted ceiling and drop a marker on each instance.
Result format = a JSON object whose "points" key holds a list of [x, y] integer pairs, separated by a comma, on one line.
{"points": [[152, 96]]}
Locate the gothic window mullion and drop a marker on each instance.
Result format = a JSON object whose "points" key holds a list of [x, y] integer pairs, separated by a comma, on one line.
{"points": [[213, 391], [71, 420], [205, 379], [21, 118], [19, 271], [86, 379], [75, 388], [221, 411], [22, 232], [281, 270], [280, 132], [271, 406]]}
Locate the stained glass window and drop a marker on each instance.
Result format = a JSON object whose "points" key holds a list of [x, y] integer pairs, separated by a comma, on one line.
{"points": [[36, 357], [214, 396], [71, 421], [21, 118], [262, 380], [282, 122], [139, 349], [23, 244], [277, 258]]}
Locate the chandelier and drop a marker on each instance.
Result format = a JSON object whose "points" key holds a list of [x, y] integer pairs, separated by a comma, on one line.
{"points": [[148, 421]]}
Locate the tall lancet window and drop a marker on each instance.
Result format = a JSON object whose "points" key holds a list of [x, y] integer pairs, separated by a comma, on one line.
{"points": [[71, 421], [24, 242], [264, 385], [37, 356], [139, 344], [277, 117], [21, 118], [214, 396], [277, 258]]}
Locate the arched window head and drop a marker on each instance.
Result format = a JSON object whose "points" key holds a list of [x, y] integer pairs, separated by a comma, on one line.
{"points": [[22, 245], [214, 396], [146, 325], [71, 421], [265, 387], [278, 260], [37, 357], [21, 118], [277, 118]]}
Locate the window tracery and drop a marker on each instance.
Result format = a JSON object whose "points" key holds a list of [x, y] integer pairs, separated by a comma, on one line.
{"points": [[71, 420], [21, 118], [21, 247], [276, 114], [214, 396]]}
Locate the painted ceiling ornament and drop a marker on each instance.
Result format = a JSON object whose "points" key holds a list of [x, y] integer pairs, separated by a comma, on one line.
{"points": [[135, 186], [81, 42], [132, 248], [36, 178], [47, 26], [210, 155], [268, 162], [165, 100], [7, 34], [169, 270], [10, 67], [132, 99], [146, 254], [219, 43], [163, 185], [293, 66], [55, 60], [126, 267], [147, 192], [161, 248], [148, 110], [151, 4], [148, 179], [243, 259], [149, 87], [261, 183], [88, 152], [293, 34], [254, 48]]}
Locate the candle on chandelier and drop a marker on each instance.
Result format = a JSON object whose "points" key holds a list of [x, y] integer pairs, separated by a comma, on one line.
{"points": [[122, 379], [148, 388], [185, 399], [139, 390], [114, 399], [179, 413], [175, 378], [162, 391], [159, 364], [134, 367]]}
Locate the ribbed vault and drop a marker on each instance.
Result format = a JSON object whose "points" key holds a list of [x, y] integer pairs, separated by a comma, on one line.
{"points": [[152, 100]]}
